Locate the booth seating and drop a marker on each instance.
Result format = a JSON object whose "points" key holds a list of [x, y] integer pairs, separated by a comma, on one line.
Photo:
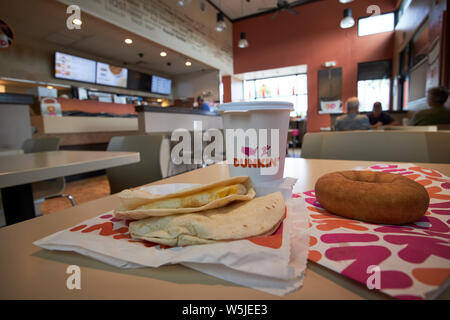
{"points": [[410, 128], [402, 146]]}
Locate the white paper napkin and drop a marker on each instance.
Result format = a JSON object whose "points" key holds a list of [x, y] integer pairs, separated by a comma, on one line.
{"points": [[274, 270]]}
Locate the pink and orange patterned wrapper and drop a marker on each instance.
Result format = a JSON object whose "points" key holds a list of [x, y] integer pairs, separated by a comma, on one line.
{"points": [[411, 261]]}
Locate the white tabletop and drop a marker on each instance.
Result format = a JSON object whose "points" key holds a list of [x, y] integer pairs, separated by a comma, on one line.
{"points": [[10, 152], [32, 167], [29, 272]]}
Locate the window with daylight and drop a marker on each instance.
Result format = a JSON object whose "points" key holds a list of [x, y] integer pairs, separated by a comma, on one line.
{"points": [[376, 24], [374, 84], [292, 88]]}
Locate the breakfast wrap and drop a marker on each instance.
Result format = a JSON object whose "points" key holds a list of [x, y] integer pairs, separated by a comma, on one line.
{"points": [[240, 220], [140, 204]]}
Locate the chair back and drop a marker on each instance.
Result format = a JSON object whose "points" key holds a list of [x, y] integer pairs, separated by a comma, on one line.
{"points": [[411, 128], [40, 145], [401, 146], [138, 174]]}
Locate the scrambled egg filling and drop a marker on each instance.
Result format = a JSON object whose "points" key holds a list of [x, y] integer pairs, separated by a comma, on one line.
{"points": [[196, 200]]}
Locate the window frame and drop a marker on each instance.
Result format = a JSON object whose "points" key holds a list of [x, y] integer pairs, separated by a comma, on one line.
{"points": [[391, 81], [382, 13], [277, 76]]}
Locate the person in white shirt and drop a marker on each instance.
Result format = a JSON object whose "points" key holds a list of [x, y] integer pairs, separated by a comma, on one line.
{"points": [[352, 120]]}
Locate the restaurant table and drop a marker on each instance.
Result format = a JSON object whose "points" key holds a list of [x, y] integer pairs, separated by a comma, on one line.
{"points": [[17, 172], [10, 152], [29, 272]]}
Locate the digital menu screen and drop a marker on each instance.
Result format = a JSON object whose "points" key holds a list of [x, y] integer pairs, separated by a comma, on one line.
{"points": [[161, 85], [111, 75], [74, 68], [139, 81]]}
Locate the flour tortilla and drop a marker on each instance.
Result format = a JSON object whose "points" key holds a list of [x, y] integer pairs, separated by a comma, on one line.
{"points": [[240, 220], [132, 199]]}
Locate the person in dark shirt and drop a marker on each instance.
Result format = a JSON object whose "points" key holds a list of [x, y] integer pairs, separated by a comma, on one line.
{"points": [[438, 113], [380, 118]]}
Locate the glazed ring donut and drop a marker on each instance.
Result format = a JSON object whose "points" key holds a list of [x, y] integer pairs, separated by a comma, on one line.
{"points": [[376, 197]]}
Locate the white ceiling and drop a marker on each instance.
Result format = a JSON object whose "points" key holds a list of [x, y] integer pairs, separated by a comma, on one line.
{"points": [[237, 9], [45, 20]]}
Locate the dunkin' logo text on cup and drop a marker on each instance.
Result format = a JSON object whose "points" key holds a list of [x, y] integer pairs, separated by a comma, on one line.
{"points": [[252, 148], [256, 163], [261, 162]]}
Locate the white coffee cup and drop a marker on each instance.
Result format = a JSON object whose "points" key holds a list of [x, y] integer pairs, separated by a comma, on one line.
{"points": [[262, 158]]}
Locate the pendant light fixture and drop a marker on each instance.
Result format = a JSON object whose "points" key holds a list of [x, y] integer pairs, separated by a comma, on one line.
{"points": [[347, 21], [345, 1], [243, 43], [220, 24]]}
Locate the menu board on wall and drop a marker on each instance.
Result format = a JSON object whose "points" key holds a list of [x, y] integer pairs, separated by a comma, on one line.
{"points": [[111, 75], [330, 90], [74, 68], [161, 85]]}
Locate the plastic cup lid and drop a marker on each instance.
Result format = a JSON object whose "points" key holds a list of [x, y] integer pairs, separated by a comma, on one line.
{"points": [[255, 105]]}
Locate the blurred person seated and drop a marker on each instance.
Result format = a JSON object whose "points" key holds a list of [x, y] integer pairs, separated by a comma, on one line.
{"points": [[202, 104], [380, 118], [352, 120], [438, 113]]}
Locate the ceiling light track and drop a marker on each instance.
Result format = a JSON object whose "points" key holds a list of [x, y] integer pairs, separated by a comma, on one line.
{"points": [[220, 11], [271, 11]]}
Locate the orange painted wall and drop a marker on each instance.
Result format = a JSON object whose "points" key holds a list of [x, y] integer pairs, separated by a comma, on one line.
{"points": [[93, 106], [226, 81], [312, 37]]}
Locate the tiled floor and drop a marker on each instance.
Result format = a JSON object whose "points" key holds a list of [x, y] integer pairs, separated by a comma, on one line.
{"points": [[82, 191], [94, 188], [294, 153]]}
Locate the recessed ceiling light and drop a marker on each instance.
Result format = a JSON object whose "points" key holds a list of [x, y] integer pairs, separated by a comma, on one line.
{"points": [[163, 54], [345, 1], [188, 63], [159, 100], [128, 41], [49, 87], [77, 22]]}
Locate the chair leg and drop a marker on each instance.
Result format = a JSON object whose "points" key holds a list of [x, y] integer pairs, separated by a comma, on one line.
{"points": [[68, 196]]}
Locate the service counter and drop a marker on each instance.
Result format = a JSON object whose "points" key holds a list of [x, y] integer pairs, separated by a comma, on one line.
{"points": [[85, 123], [83, 130], [158, 119], [164, 120]]}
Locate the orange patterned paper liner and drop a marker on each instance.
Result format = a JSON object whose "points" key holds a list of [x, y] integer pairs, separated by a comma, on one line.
{"points": [[121, 232]]}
